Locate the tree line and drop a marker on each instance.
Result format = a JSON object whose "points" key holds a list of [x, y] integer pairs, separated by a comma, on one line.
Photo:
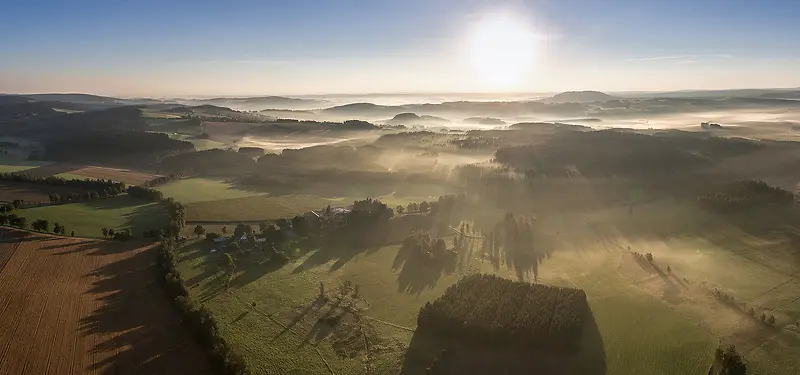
{"points": [[40, 225], [497, 311], [90, 187], [744, 195], [197, 318], [163, 180]]}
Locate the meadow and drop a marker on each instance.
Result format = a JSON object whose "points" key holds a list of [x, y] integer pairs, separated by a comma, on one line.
{"points": [[649, 322], [89, 217], [256, 208], [193, 190]]}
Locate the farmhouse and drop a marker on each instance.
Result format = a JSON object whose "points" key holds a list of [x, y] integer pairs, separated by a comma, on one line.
{"points": [[329, 216]]}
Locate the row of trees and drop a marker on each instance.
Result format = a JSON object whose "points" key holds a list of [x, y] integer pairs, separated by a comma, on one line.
{"points": [[497, 311], [97, 185], [731, 301], [84, 189], [79, 196], [744, 195], [162, 180], [14, 221], [146, 193], [197, 318], [40, 225]]}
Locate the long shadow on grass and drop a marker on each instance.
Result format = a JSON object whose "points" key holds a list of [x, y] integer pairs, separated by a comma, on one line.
{"points": [[139, 330], [455, 356], [145, 215], [338, 252]]}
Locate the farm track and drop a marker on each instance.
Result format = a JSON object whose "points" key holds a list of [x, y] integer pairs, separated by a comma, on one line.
{"points": [[77, 306]]}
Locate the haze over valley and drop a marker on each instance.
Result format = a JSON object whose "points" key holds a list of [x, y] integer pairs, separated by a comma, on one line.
{"points": [[400, 187]]}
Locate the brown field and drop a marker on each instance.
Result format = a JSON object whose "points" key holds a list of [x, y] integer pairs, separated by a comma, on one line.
{"points": [[255, 208], [120, 175], [30, 192], [49, 170], [9, 239], [79, 306]]}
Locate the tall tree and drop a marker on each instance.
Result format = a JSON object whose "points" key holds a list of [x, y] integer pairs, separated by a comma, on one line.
{"points": [[727, 361], [199, 230]]}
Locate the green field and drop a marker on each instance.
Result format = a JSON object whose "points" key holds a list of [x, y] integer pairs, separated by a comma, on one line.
{"points": [[257, 208], [203, 189], [71, 176], [8, 164], [88, 218], [648, 324]]}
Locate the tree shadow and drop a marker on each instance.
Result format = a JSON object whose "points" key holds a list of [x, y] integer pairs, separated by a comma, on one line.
{"points": [[418, 274], [455, 356], [138, 329], [335, 251]]}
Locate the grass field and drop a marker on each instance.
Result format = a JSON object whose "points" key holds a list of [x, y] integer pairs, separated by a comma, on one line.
{"points": [[203, 189], [70, 305], [88, 218], [650, 323], [256, 208], [14, 164]]}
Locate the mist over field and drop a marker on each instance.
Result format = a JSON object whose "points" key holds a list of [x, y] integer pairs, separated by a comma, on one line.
{"points": [[407, 187]]}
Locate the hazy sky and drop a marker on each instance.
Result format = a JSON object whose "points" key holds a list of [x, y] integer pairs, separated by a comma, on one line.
{"points": [[200, 47]]}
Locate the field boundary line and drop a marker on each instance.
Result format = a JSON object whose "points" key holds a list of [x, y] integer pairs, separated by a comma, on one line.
{"points": [[390, 324], [324, 361], [268, 316]]}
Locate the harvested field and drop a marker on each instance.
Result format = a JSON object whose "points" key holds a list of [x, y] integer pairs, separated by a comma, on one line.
{"points": [[113, 174], [71, 305], [253, 208], [31, 192], [49, 170], [9, 241]]}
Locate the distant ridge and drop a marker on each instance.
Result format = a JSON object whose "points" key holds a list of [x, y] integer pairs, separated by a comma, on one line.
{"points": [[580, 97]]}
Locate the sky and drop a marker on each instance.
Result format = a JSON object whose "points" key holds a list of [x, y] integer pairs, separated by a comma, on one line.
{"points": [[163, 48]]}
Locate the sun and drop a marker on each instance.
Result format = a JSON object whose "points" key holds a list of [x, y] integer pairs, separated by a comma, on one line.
{"points": [[502, 49]]}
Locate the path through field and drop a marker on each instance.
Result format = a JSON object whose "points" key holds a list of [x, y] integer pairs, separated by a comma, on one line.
{"points": [[81, 306]]}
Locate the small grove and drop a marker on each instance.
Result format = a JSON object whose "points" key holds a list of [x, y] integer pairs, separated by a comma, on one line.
{"points": [[744, 195], [497, 311]]}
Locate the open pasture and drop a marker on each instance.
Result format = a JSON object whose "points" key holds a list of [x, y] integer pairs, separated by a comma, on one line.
{"points": [[255, 208], [89, 217], [192, 190], [650, 320]]}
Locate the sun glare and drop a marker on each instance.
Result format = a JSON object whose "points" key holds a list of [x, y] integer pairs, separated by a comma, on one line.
{"points": [[502, 50]]}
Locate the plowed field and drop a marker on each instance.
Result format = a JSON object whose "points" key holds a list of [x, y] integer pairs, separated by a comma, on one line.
{"points": [[113, 174], [79, 306]]}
